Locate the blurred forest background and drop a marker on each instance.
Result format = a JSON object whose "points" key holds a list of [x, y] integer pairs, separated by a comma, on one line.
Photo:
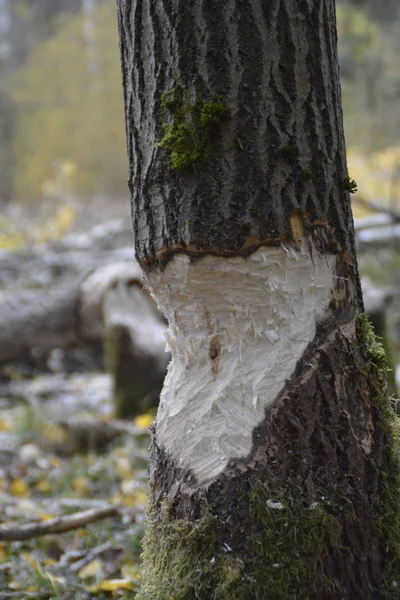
{"points": [[61, 117]]}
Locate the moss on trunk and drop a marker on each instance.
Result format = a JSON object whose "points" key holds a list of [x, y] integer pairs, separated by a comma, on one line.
{"points": [[185, 560], [387, 504]]}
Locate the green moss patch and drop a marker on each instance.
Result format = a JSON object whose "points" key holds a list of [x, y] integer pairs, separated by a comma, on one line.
{"points": [[284, 544], [190, 129], [387, 505]]}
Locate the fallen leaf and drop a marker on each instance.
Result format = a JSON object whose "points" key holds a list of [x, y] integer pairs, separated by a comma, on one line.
{"points": [[143, 421], [19, 488], [92, 569], [32, 562], [82, 533], [14, 585], [46, 517], [44, 487], [3, 553], [112, 585], [4, 426], [141, 497], [131, 572], [54, 433], [128, 500], [81, 485], [55, 579]]}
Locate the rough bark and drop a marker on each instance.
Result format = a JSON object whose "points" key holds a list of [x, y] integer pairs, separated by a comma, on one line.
{"points": [[298, 506], [275, 66]]}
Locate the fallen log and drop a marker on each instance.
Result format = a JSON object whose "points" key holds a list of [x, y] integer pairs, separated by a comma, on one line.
{"points": [[108, 306], [70, 315]]}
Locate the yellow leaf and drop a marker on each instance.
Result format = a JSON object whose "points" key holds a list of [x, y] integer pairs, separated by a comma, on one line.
{"points": [[81, 485], [55, 461], [54, 433], [140, 497], [46, 517], [82, 533], [54, 579], [3, 553], [92, 569], [133, 498], [131, 572], [32, 562], [14, 585], [128, 501], [49, 562], [144, 421], [4, 426], [44, 487], [111, 585], [32, 588], [18, 488]]}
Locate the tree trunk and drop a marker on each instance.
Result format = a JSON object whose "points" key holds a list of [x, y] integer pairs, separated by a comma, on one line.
{"points": [[273, 464], [5, 26], [88, 9]]}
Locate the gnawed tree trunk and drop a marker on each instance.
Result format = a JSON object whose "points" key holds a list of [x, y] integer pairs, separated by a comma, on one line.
{"points": [[273, 465]]}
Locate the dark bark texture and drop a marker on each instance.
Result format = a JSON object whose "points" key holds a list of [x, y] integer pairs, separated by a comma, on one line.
{"points": [[274, 64]]}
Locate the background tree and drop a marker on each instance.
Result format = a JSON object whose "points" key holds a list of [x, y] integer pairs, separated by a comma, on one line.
{"points": [[273, 461], [71, 114]]}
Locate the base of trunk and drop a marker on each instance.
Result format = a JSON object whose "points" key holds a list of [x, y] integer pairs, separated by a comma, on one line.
{"points": [[312, 513]]}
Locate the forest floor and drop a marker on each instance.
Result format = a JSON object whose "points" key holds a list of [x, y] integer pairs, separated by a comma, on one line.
{"points": [[60, 455]]}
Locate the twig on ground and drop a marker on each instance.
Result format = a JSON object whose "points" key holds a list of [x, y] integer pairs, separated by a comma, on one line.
{"points": [[18, 595], [378, 207], [59, 524]]}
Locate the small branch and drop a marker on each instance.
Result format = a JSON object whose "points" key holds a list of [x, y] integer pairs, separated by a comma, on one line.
{"points": [[59, 524], [34, 595], [17, 595], [377, 207]]}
